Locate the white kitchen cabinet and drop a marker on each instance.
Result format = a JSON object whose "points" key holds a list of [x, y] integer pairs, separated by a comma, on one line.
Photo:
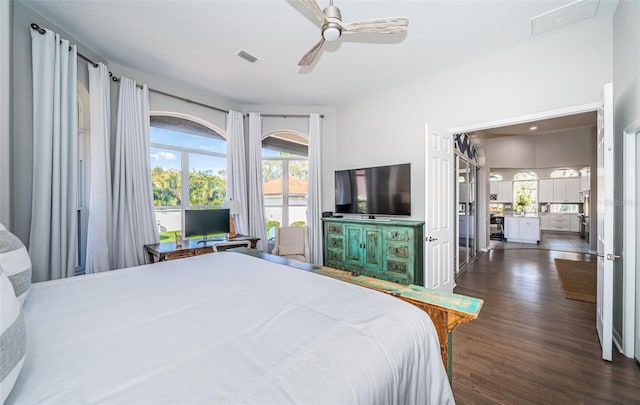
{"points": [[585, 183], [505, 191], [559, 190], [522, 229], [563, 222], [545, 191], [544, 222], [573, 190], [493, 187]]}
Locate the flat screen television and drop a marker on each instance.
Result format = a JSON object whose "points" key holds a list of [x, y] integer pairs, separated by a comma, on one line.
{"points": [[381, 190], [206, 222]]}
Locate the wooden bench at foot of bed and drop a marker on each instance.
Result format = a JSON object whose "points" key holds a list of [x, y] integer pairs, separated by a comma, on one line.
{"points": [[446, 310]]}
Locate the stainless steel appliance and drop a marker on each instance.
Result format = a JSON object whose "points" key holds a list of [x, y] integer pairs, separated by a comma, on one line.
{"points": [[584, 227], [496, 227], [581, 224]]}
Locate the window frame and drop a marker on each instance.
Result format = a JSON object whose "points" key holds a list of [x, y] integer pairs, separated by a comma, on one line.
{"points": [[184, 153], [285, 178]]}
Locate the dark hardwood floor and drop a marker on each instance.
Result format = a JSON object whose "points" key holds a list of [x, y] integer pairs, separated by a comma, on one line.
{"points": [[530, 344]]}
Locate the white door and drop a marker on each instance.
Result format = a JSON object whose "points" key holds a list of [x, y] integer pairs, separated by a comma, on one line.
{"points": [[606, 205], [439, 210]]}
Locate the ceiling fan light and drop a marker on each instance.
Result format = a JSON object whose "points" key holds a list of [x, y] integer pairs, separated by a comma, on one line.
{"points": [[331, 33]]}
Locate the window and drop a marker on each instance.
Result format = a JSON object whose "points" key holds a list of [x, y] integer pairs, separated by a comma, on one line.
{"points": [[525, 192], [82, 193], [285, 173], [495, 177], [188, 170], [559, 173]]}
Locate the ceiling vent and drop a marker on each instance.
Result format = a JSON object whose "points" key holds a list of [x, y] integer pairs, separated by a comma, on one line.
{"points": [[563, 16], [247, 56]]}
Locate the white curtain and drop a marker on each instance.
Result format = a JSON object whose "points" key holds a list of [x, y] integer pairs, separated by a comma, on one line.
{"points": [[133, 211], [257, 224], [236, 169], [315, 188], [53, 235], [99, 227]]}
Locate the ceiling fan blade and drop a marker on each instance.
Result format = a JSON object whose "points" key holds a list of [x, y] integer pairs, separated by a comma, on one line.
{"points": [[379, 25], [310, 56], [313, 6]]}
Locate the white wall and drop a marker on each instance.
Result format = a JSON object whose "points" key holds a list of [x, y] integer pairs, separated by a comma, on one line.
{"points": [[626, 95], [5, 112], [558, 70], [558, 149]]}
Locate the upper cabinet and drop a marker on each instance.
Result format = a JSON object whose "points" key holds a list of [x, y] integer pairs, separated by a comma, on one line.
{"points": [[501, 191], [559, 190], [585, 179]]}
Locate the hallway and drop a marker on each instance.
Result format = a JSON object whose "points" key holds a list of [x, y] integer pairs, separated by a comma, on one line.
{"points": [[530, 344]]}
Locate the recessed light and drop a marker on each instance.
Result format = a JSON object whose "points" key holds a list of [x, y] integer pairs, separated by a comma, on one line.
{"points": [[533, 128]]}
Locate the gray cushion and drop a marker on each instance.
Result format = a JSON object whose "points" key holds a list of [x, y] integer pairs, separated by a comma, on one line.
{"points": [[15, 260], [13, 337]]}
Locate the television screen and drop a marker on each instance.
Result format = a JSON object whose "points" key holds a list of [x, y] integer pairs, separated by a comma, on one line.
{"points": [[383, 190], [206, 222]]}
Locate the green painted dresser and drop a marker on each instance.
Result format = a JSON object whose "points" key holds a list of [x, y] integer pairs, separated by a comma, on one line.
{"points": [[388, 250]]}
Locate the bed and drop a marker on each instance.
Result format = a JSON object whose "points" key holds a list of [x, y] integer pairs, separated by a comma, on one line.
{"points": [[225, 328]]}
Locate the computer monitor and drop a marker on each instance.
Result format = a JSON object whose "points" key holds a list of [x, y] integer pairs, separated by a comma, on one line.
{"points": [[206, 222]]}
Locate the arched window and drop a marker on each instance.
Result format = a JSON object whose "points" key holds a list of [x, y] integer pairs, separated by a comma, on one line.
{"points": [[564, 172], [188, 169], [525, 192], [285, 173], [495, 177], [527, 175]]}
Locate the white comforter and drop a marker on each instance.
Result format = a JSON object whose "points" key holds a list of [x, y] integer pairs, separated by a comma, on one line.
{"points": [[225, 328]]}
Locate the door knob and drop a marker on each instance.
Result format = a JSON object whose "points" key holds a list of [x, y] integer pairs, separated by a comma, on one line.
{"points": [[429, 239]]}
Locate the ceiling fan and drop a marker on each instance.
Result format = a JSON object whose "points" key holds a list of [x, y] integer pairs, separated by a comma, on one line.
{"points": [[332, 27]]}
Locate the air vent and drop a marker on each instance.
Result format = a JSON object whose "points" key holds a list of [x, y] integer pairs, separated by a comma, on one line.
{"points": [[563, 16], [247, 56]]}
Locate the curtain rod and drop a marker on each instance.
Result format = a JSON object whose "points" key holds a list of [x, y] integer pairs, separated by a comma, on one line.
{"points": [[117, 79], [289, 115]]}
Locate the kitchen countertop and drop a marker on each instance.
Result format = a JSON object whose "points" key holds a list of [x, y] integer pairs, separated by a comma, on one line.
{"points": [[516, 215]]}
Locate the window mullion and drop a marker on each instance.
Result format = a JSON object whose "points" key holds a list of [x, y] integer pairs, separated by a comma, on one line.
{"points": [[184, 186], [285, 193]]}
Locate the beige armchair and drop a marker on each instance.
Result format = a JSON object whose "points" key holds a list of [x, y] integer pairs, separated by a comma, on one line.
{"points": [[292, 242]]}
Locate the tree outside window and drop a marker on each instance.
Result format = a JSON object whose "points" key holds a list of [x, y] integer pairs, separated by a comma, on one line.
{"points": [[188, 170], [525, 189]]}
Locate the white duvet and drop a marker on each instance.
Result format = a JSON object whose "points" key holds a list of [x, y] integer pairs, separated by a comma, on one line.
{"points": [[225, 328]]}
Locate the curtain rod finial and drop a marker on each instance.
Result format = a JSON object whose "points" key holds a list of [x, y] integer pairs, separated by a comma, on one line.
{"points": [[36, 27]]}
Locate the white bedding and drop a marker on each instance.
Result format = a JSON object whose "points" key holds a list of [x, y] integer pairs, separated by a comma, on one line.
{"points": [[225, 328]]}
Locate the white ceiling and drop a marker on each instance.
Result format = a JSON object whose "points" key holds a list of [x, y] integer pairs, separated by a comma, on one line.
{"points": [[542, 127], [196, 42]]}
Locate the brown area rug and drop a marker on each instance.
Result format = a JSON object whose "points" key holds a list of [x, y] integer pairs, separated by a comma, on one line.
{"points": [[578, 279]]}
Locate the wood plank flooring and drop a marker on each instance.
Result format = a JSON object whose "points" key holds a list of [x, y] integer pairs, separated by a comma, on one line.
{"points": [[530, 344]]}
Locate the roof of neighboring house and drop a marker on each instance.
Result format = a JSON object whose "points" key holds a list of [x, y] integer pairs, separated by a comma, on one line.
{"points": [[296, 186]]}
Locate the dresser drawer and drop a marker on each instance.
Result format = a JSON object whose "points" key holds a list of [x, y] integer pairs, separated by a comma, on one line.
{"points": [[398, 235], [335, 243], [336, 229], [398, 250], [179, 254], [334, 255], [397, 267]]}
